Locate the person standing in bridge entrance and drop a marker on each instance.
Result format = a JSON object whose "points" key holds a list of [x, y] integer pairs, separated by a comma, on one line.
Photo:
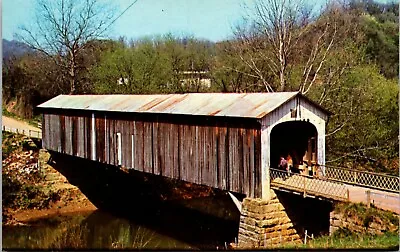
{"points": [[283, 163], [289, 164]]}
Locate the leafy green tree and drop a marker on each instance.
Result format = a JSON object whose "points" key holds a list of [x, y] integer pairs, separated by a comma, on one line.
{"points": [[382, 45], [174, 52], [364, 127], [380, 24], [152, 65], [136, 70]]}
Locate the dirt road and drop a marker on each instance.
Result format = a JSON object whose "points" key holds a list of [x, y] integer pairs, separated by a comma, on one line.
{"points": [[12, 125]]}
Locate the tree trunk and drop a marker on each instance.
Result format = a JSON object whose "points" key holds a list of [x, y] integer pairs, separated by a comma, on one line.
{"points": [[72, 74], [282, 80], [72, 85], [282, 60]]}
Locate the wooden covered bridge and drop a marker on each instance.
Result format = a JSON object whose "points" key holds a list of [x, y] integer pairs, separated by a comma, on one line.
{"points": [[223, 140], [233, 142]]}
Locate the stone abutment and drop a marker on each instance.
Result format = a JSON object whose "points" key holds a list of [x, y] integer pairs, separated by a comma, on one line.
{"points": [[285, 218]]}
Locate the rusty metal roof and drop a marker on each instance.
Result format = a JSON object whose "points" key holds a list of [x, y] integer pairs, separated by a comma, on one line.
{"points": [[250, 105]]}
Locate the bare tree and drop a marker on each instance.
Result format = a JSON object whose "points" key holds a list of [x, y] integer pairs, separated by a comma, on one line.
{"points": [[62, 29], [275, 39]]}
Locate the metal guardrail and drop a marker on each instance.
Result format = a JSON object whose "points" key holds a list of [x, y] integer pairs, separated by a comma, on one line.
{"points": [[29, 133], [363, 178], [308, 185]]}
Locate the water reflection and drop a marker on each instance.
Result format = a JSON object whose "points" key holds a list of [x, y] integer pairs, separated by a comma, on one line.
{"points": [[97, 230], [178, 225]]}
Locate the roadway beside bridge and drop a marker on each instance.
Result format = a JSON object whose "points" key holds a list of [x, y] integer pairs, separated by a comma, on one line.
{"points": [[20, 127]]}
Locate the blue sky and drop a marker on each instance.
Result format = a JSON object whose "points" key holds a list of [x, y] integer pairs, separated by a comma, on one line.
{"points": [[211, 19], [207, 19]]}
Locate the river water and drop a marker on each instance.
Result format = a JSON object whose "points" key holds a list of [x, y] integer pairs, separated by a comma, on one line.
{"points": [[201, 223]]}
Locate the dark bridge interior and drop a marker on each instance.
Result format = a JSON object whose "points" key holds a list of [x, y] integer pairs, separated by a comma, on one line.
{"points": [[297, 139]]}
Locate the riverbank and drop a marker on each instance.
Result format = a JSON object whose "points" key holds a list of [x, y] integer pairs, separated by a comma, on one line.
{"points": [[32, 188], [23, 216]]}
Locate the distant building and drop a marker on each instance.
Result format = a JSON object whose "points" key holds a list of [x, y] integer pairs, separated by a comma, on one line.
{"points": [[195, 78], [123, 80]]}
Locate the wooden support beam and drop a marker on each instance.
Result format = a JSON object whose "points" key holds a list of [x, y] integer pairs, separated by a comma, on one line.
{"points": [[265, 165], [236, 201]]}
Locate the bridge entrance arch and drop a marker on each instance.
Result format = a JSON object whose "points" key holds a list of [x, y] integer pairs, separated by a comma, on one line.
{"points": [[295, 140]]}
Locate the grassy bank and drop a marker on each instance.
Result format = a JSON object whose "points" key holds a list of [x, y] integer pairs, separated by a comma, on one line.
{"points": [[364, 215], [387, 238], [344, 239]]}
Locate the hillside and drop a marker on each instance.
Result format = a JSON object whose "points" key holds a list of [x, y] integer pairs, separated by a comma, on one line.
{"points": [[14, 48]]}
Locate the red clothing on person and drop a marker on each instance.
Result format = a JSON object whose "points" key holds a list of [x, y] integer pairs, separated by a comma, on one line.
{"points": [[283, 163]]}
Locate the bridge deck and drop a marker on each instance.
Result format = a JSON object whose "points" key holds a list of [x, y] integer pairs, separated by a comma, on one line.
{"points": [[333, 189], [309, 186]]}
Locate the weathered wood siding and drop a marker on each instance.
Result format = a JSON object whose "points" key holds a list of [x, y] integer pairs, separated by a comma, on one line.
{"points": [[217, 152]]}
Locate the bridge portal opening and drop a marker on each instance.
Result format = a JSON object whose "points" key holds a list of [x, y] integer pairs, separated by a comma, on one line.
{"points": [[296, 139]]}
